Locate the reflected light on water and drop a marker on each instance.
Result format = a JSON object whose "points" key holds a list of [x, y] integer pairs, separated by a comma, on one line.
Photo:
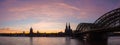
{"points": [[54, 41]]}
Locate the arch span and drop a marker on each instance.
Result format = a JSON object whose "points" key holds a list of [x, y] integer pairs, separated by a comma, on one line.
{"points": [[108, 20]]}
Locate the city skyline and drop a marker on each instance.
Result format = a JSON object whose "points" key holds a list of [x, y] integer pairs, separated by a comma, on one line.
{"points": [[51, 15]]}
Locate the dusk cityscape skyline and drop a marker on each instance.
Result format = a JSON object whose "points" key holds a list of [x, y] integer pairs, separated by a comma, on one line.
{"points": [[59, 22], [50, 15]]}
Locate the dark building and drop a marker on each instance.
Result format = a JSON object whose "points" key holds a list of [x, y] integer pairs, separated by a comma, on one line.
{"points": [[31, 32], [68, 30]]}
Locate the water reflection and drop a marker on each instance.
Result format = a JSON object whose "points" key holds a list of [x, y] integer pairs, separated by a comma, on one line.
{"points": [[67, 40], [54, 41], [95, 42], [87, 42], [92, 42], [70, 41], [80, 42], [31, 40]]}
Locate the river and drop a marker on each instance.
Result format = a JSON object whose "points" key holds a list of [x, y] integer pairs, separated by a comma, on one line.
{"points": [[49, 41]]}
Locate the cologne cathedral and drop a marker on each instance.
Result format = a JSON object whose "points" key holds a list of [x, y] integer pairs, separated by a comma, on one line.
{"points": [[68, 30]]}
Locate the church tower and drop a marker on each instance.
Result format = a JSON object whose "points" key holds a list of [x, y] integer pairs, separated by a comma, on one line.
{"points": [[69, 27], [31, 32], [68, 30]]}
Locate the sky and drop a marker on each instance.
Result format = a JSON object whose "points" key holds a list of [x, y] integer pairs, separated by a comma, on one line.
{"points": [[50, 15]]}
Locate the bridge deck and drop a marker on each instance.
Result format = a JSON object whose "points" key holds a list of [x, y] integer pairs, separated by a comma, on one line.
{"points": [[114, 29]]}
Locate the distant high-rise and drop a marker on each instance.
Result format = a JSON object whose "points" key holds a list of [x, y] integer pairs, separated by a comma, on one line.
{"points": [[68, 30], [31, 32]]}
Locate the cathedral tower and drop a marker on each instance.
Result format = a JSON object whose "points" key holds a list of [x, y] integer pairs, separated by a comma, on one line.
{"points": [[31, 32], [68, 30]]}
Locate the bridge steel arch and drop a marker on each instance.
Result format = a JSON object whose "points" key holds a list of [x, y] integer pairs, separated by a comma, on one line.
{"points": [[108, 20], [82, 27]]}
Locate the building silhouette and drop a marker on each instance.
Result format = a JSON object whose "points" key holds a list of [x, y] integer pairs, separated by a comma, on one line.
{"points": [[31, 32], [68, 30]]}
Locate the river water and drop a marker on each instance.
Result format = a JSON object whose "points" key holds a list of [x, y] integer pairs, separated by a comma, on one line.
{"points": [[49, 41]]}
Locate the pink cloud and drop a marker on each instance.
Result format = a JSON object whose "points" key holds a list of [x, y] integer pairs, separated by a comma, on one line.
{"points": [[58, 9], [54, 10]]}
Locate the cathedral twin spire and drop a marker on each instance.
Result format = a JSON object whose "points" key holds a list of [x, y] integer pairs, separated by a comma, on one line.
{"points": [[68, 30], [68, 26]]}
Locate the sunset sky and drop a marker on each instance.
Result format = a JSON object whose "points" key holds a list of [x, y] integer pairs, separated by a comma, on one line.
{"points": [[50, 15]]}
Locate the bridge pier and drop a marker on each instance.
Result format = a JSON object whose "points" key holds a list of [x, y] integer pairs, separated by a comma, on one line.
{"points": [[78, 36]]}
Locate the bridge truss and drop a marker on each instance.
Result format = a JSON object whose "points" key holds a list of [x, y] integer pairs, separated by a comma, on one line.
{"points": [[108, 20]]}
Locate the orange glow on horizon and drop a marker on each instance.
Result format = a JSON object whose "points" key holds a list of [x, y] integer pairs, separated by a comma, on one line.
{"points": [[27, 31]]}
